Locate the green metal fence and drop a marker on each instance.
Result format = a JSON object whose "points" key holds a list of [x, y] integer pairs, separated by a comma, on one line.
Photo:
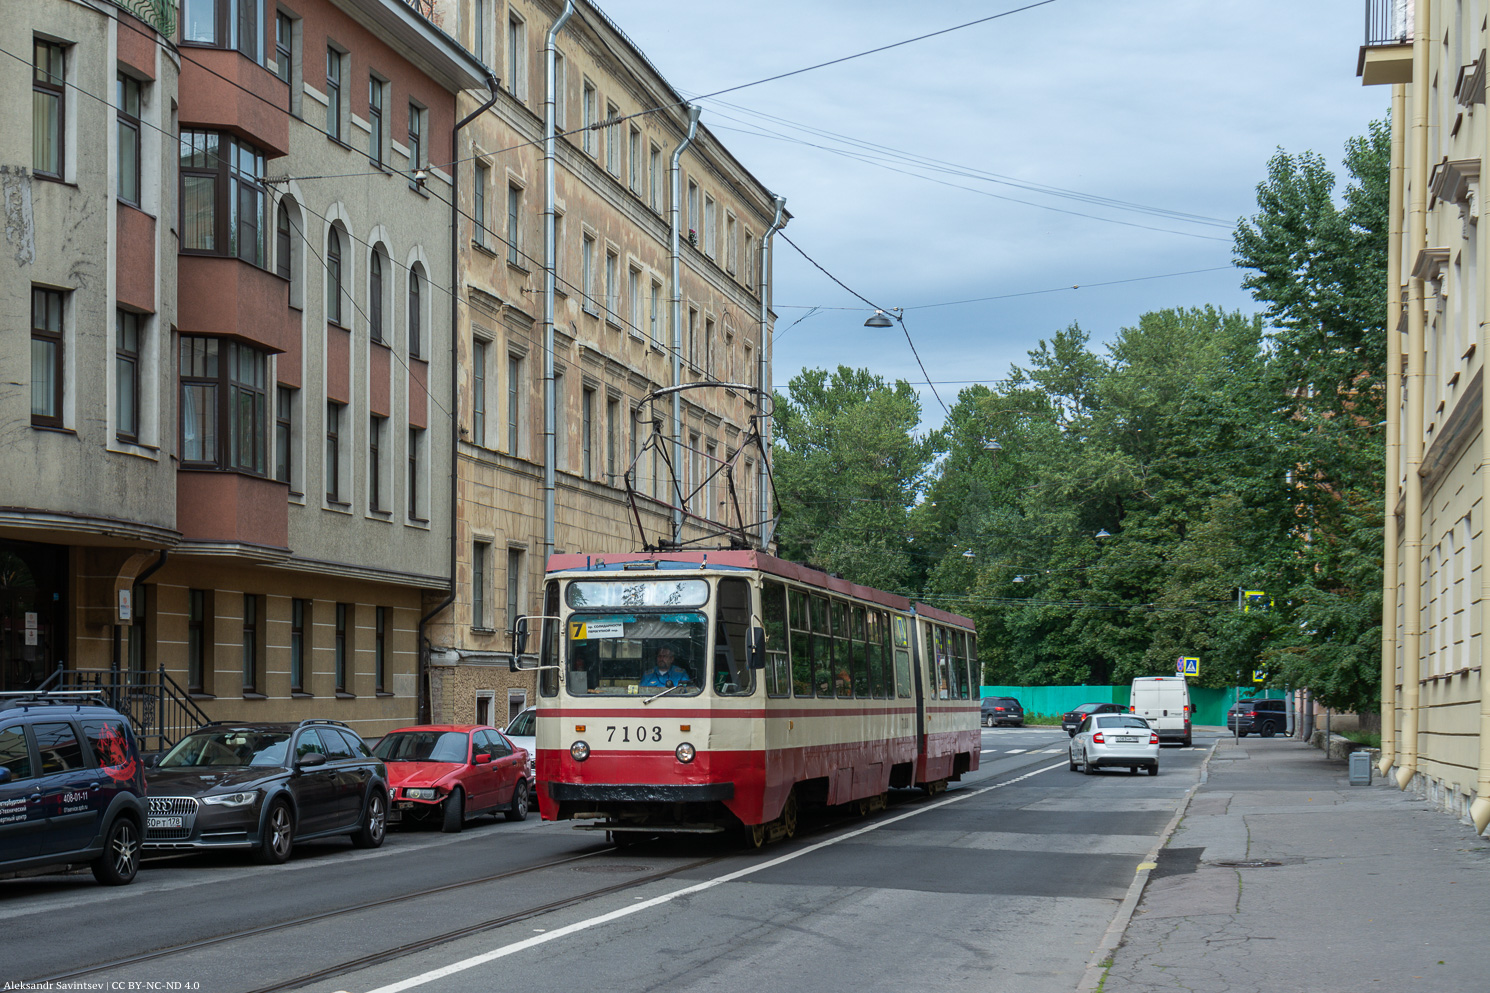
{"points": [[1210, 704]]}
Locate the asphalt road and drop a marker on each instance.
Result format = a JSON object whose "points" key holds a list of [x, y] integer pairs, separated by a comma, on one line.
{"points": [[1007, 881]]}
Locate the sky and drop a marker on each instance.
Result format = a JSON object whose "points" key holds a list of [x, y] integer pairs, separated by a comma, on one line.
{"points": [[921, 176]]}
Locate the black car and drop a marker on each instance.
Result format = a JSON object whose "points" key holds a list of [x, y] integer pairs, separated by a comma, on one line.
{"points": [[1071, 719], [264, 787], [1002, 710], [72, 785], [1266, 717]]}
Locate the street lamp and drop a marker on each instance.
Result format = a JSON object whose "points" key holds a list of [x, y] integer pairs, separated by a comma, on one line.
{"points": [[879, 320], [993, 448], [968, 554], [1103, 534]]}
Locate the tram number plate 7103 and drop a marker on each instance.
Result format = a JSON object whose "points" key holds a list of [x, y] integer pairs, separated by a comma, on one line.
{"points": [[629, 734]]}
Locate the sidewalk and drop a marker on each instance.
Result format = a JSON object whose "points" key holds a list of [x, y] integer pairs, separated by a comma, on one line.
{"points": [[1372, 890]]}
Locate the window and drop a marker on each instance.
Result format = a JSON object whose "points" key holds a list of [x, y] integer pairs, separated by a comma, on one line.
{"points": [[587, 429], [416, 143], [380, 650], [416, 458], [224, 405], [514, 215], [375, 462], [197, 645], [692, 455], [416, 311], [478, 208], [587, 108], [517, 56], [343, 646], [478, 392], [731, 250], [612, 305], [222, 197], [561, 434], [299, 623], [250, 643], [282, 241], [612, 409], [284, 42], [514, 404], [333, 94], [333, 276], [773, 614], [375, 297], [284, 433], [333, 451], [478, 29], [634, 175], [234, 24], [656, 314], [634, 300], [559, 90], [693, 213], [48, 107], [587, 273], [375, 120], [710, 462], [514, 585], [693, 337], [708, 346], [289, 233], [655, 166], [749, 260], [612, 140], [479, 552], [127, 116], [558, 258], [709, 208], [127, 375]]}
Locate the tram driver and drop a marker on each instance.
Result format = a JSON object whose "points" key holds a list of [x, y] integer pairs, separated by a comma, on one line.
{"points": [[667, 673]]}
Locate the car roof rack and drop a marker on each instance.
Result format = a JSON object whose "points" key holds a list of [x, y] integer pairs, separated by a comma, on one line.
{"points": [[311, 721], [77, 698]]}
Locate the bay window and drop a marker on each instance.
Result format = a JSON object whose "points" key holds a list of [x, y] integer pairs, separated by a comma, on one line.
{"points": [[234, 24], [222, 197], [224, 405]]}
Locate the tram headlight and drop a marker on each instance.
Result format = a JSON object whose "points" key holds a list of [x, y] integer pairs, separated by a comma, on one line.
{"points": [[579, 751], [685, 753]]}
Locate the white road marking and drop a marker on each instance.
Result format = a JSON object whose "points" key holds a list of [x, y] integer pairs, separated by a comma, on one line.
{"points": [[564, 932], [1016, 751]]}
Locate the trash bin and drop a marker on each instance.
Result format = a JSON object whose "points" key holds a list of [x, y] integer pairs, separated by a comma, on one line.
{"points": [[1360, 768]]}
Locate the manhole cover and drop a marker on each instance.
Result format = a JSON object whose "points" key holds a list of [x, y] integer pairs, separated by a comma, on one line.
{"points": [[1245, 863], [609, 868]]}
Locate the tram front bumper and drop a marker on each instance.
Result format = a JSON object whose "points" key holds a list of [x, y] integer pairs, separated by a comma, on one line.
{"points": [[639, 793]]}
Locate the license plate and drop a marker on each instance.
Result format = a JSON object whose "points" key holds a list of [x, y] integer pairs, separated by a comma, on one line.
{"points": [[164, 822], [404, 805], [1126, 740]]}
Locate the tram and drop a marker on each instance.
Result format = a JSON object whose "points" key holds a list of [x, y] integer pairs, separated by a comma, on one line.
{"points": [[711, 691]]}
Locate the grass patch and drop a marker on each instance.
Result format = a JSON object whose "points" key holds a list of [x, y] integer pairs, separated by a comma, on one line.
{"points": [[1044, 720], [1367, 738]]}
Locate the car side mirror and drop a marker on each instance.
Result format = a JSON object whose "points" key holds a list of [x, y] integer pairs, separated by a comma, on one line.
{"points": [[519, 641], [756, 648], [481, 758], [310, 760], [152, 761], [5, 776]]}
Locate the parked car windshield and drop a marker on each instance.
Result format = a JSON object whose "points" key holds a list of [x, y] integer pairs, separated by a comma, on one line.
{"points": [[523, 724], [228, 748], [423, 746]]}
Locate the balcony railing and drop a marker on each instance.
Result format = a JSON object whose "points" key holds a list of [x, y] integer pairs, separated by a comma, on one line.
{"points": [[160, 710], [1389, 22], [159, 14]]}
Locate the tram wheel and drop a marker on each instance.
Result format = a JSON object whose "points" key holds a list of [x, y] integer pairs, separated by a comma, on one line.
{"points": [[755, 835], [789, 816]]}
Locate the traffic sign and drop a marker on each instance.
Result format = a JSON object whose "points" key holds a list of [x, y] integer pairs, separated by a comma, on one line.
{"points": [[1186, 666], [1260, 675]]}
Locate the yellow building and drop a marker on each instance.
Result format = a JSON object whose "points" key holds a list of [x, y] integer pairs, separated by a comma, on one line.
{"points": [[1435, 704]]}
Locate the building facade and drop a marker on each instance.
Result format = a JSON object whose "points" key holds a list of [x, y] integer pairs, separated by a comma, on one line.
{"points": [[234, 464], [621, 326], [1435, 695]]}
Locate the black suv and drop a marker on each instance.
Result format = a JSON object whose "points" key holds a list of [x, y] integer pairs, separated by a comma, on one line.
{"points": [[1266, 717], [263, 787], [72, 786], [1002, 710]]}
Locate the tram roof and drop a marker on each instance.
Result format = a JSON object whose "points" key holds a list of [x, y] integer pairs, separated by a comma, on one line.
{"points": [[753, 559]]}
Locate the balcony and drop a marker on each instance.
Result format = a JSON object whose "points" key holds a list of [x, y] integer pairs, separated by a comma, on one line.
{"points": [[229, 508], [1386, 55], [218, 295], [223, 91]]}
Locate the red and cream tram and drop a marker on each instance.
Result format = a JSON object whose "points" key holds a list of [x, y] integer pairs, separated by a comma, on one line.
{"points": [[705, 691]]}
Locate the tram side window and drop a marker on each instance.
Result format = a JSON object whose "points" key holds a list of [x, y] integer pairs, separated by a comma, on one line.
{"points": [[975, 667], [959, 663], [548, 656], [872, 655], [801, 644], [773, 613], [843, 685], [902, 657], [822, 647], [732, 673], [943, 674], [861, 661]]}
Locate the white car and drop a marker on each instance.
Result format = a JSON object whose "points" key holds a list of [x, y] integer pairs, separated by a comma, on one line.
{"points": [[521, 733], [1114, 739]]}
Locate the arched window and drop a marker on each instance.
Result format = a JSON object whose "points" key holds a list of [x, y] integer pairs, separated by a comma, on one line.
{"points": [[288, 234], [416, 312], [333, 277], [375, 297], [282, 241]]}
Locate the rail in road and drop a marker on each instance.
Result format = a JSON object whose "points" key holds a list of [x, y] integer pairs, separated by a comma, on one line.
{"points": [[355, 935]]}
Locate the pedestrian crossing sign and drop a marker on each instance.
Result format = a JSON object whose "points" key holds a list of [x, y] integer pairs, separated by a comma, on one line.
{"points": [[1186, 666]]}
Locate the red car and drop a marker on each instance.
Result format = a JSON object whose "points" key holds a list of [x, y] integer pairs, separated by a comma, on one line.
{"points": [[454, 772]]}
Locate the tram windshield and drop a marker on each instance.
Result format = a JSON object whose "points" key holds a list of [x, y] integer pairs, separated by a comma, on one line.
{"points": [[624, 654]]}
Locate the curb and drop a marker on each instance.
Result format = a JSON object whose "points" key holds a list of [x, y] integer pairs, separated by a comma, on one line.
{"points": [[1119, 926]]}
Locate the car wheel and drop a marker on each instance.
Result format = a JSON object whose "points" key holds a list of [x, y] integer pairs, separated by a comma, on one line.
{"points": [[1071, 733], [1071, 760], [518, 811], [1086, 763], [375, 826], [1187, 741], [119, 861], [1242, 734], [455, 812], [1154, 769], [278, 835], [1267, 729]]}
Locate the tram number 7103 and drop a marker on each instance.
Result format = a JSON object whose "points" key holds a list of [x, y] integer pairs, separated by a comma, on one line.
{"points": [[641, 733]]}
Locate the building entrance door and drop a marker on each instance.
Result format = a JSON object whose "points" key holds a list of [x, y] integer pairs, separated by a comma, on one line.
{"points": [[32, 617]]}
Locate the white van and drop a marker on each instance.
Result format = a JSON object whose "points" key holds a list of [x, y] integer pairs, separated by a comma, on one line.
{"points": [[1163, 701]]}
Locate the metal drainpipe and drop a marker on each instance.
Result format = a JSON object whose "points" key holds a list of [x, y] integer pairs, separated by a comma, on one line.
{"points": [[674, 216], [1479, 808], [764, 375], [1390, 536], [1412, 545], [550, 412], [421, 699]]}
